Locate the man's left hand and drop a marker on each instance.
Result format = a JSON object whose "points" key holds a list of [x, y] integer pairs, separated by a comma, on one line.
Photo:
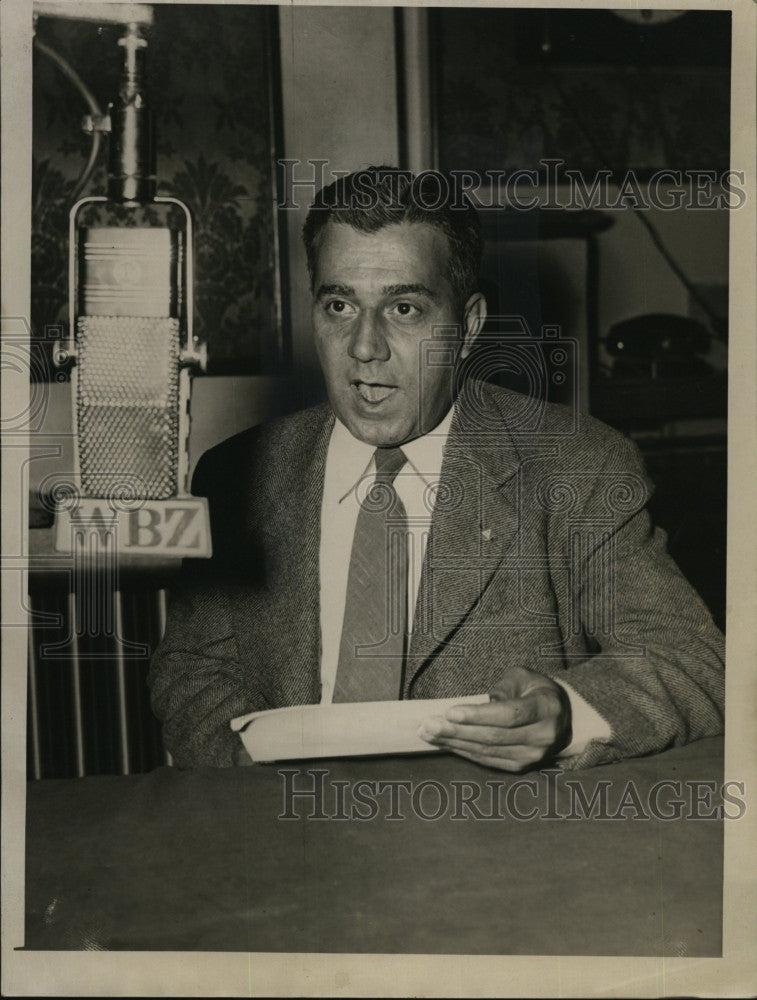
{"points": [[526, 722]]}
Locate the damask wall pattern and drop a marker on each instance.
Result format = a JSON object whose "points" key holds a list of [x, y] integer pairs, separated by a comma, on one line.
{"points": [[211, 84]]}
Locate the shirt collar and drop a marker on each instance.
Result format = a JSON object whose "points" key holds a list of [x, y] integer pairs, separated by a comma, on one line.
{"points": [[350, 459]]}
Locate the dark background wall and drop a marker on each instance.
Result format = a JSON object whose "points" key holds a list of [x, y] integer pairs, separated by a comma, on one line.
{"points": [[515, 86]]}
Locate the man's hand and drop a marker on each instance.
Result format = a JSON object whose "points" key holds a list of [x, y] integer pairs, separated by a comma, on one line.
{"points": [[526, 722]]}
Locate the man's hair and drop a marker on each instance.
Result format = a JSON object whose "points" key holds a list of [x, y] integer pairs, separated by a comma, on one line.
{"points": [[370, 199]]}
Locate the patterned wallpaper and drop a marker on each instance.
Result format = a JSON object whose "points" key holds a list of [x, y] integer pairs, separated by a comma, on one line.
{"points": [[209, 73]]}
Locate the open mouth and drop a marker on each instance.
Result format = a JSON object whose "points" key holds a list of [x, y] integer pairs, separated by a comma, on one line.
{"points": [[374, 392]]}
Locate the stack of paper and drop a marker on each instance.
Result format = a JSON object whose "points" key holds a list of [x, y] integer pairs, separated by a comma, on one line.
{"points": [[343, 730]]}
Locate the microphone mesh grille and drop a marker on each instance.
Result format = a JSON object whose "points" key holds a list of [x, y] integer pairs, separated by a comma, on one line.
{"points": [[128, 406]]}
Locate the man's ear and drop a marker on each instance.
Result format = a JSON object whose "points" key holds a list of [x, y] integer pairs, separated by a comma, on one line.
{"points": [[474, 317]]}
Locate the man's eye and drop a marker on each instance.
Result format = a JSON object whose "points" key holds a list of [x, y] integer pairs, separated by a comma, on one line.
{"points": [[406, 309], [338, 307]]}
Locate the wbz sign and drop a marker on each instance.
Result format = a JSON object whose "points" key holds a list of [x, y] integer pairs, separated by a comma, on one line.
{"points": [[174, 528]]}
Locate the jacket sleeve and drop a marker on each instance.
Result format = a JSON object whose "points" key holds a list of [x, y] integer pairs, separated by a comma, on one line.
{"points": [[657, 675], [196, 682], [195, 679]]}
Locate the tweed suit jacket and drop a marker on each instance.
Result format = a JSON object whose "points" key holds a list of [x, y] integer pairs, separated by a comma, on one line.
{"points": [[541, 554]]}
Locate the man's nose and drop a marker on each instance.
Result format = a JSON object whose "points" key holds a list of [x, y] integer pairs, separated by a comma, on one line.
{"points": [[368, 342]]}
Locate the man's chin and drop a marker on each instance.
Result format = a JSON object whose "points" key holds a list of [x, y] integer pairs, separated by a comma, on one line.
{"points": [[376, 432], [377, 437]]}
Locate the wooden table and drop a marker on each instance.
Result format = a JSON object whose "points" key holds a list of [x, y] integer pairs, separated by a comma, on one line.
{"points": [[204, 860]]}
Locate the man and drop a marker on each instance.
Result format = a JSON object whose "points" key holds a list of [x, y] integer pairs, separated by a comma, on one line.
{"points": [[510, 558]]}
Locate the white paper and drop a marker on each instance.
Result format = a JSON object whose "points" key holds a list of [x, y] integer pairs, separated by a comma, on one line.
{"points": [[351, 729]]}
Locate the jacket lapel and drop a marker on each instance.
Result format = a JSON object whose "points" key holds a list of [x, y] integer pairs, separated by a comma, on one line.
{"points": [[293, 513], [475, 522]]}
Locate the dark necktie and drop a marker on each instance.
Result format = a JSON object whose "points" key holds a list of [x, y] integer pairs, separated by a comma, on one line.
{"points": [[372, 647]]}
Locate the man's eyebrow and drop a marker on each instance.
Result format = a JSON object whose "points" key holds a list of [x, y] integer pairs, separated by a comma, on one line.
{"points": [[344, 290], [414, 289]]}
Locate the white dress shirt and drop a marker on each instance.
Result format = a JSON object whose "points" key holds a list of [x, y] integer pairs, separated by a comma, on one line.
{"points": [[350, 472]]}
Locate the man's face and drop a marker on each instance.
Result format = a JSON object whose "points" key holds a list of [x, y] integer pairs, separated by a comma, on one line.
{"points": [[380, 301]]}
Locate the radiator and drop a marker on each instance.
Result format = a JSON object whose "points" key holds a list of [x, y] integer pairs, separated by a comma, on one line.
{"points": [[88, 701]]}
